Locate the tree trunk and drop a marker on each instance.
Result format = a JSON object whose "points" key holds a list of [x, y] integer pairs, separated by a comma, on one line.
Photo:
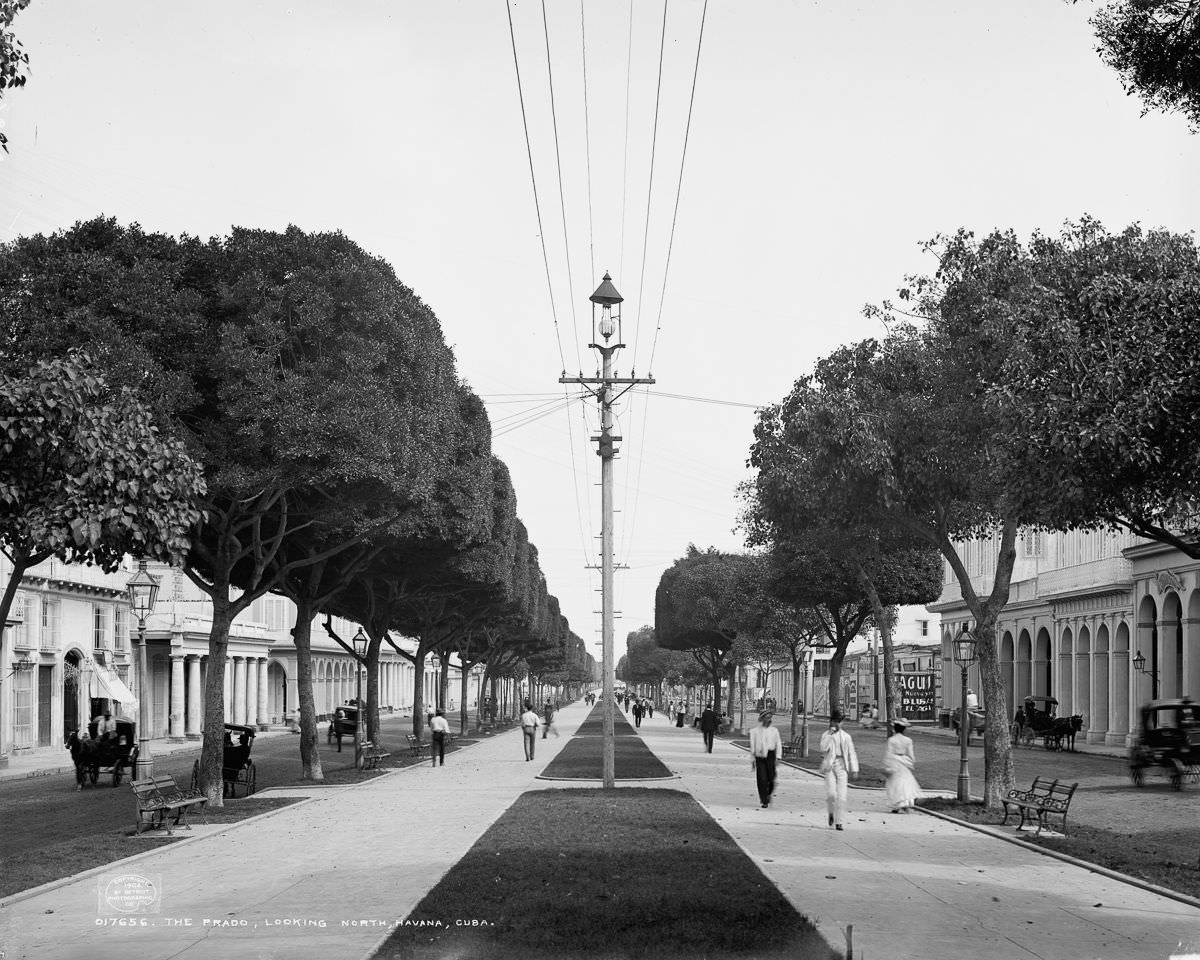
{"points": [[310, 754], [373, 691], [730, 670], [884, 619], [212, 750], [418, 716], [462, 700], [21, 563]]}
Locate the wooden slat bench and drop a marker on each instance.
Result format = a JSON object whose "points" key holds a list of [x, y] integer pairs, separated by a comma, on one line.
{"points": [[157, 798], [1043, 800], [415, 745], [791, 749], [371, 755]]}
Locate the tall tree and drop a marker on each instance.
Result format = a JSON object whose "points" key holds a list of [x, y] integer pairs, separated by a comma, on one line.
{"points": [[13, 58], [85, 475], [1154, 45]]}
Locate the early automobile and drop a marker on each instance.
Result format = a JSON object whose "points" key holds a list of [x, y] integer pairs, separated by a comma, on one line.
{"points": [[1168, 736]]}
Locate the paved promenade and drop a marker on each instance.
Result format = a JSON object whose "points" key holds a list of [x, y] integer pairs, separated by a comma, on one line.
{"points": [[326, 878]]}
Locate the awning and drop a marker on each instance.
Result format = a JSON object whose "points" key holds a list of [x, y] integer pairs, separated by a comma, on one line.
{"points": [[114, 688]]}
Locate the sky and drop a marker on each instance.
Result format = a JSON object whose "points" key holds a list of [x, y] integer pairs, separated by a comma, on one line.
{"points": [[825, 142]]}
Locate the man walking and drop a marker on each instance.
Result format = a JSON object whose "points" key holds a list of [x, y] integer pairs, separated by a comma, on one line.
{"points": [[765, 747], [438, 729], [839, 763], [637, 712], [709, 721], [548, 717], [529, 725]]}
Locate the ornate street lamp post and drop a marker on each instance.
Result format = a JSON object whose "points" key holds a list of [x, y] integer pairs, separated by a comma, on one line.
{"points": [[360, 642], [964, 656], [1139, 666], [143, 592]]}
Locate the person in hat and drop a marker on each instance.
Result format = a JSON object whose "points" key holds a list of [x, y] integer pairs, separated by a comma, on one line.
{"points": [[899, 760], [839, 763], [709, 722], [765, 747]]}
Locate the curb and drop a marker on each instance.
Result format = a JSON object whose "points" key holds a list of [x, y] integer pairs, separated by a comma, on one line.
{"points": [[990, 831]]}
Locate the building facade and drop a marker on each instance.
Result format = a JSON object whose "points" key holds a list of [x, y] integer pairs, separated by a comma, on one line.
{"points": [[69, 650], [1083, 606]]}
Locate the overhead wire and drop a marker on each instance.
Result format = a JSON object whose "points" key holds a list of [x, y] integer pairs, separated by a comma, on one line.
{"points": [[533, 417], [679, 186], [561, 200], [533, 179]]}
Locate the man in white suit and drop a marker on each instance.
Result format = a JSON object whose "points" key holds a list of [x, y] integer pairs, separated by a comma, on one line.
{"points": [[839, 764]]}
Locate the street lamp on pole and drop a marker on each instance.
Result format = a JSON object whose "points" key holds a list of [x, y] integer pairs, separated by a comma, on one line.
{"points": [[1139, 666], [360, 642], [143, 592], [964, 656]]}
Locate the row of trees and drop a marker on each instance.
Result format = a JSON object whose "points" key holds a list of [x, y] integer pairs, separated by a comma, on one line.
{"points": [[1048, 385], [276, 413]]}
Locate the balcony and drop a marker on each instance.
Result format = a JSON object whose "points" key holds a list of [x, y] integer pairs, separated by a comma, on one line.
{"points": [[1108, 571]]}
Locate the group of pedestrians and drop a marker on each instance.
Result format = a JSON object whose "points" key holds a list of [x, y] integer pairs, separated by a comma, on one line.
{"points": [[839, 763]]}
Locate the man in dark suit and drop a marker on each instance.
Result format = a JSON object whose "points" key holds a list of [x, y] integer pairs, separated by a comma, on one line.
{"points": [[709, 721]]}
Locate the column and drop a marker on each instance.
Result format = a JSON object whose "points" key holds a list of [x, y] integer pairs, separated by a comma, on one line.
{"points": [[1119, 690], [263, 720], [195, 700], [239, 690], [251, 691], [175, 727], [227, 697]]}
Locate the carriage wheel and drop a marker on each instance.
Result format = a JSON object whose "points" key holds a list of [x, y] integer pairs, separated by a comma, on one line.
{"points": [[196, 775], [117, 774], [1176, 782], [251, 777], [1137, 775], [94, 774]]}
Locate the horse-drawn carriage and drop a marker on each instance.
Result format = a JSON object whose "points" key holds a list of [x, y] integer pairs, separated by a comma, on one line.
{"points": [[342, 724], [1037, 720], [114, 754], [236, 765], [1168, 737]]}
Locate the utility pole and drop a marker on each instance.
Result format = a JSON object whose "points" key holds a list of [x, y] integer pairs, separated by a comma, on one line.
{"points": [[604, 388]]}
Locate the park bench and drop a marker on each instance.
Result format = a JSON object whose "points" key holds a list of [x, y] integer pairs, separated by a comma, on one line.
{"points": [[1043, 800], [792, 748], [159, 797], [371, 755], [415, 744]]}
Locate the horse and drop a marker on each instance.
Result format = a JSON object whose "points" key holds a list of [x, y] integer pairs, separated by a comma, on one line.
{"points": [[85, 754], [1065, 728]]}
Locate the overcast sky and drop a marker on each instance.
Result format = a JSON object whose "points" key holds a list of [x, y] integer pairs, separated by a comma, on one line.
{"points": [[827, 140]]}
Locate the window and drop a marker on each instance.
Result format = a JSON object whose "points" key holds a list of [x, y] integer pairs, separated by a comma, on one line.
{"points": [[1033, 543], [23, 708], [121, 632], [821, 668], [102, 626], [50, 623], [20, 632], [924, 625]]}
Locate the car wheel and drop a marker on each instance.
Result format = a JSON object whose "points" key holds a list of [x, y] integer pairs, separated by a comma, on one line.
{"points": [[1137, 775]]}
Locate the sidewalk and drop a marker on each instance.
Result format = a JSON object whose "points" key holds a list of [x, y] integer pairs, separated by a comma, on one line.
{"points": [[323, 879], [917, 886], [328, 878]]}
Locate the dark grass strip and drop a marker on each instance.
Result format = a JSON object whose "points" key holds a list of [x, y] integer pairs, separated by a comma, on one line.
{"points": [[593, 725], [582, 757], [628, 873]]}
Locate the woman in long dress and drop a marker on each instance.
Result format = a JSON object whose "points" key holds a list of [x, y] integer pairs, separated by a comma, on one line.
{"points": [[898, 762]]}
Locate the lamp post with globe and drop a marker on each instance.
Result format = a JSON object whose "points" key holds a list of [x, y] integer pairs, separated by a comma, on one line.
{"points": [[143, 592], [964, 656]]}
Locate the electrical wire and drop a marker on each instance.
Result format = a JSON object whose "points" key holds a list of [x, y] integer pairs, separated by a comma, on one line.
{"points": [[587, 143], [724, 403], [561, 200], [533, 179], [650, 186], [534, 417], [679, 187], [625, 164]]}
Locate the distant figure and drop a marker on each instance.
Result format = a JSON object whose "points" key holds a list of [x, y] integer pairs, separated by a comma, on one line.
{"points": [[839, 764], [650, 709], [870, 717], [439, 728], [972, 700], [679, 717], [548, 716], [529, 725], [899, 759], [637, 712], [106, 727], [765, 747], [709, 722]]}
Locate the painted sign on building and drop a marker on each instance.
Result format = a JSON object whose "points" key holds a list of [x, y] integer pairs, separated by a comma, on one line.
{"points": [[917, 695]]}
